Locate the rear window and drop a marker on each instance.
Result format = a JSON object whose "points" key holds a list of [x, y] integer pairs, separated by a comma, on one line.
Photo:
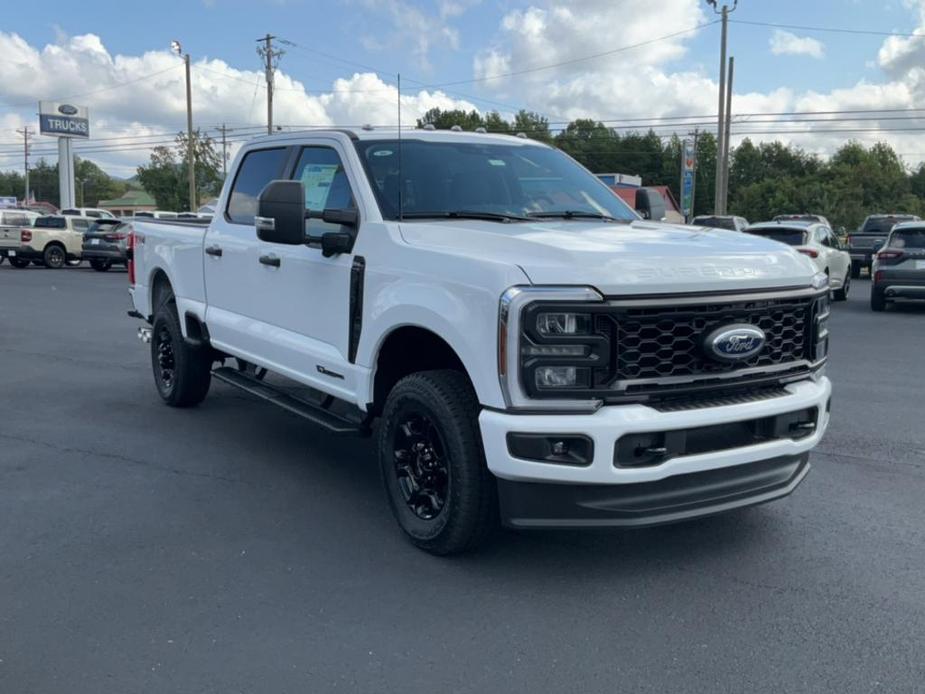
{"points": [[716, 222], [908, 238], [15, 219], [792, 237], [797, 218], [882, 225], [51, 223], [103, 225]]}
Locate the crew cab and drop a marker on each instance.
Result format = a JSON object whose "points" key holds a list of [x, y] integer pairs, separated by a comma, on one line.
{"points": [[819, 243], [522, 342], [52, 241], [863, 243]]}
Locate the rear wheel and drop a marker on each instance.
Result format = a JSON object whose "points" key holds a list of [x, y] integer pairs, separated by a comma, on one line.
{"points": [[432, 463], [100, 265], [19, 263], [841, 294], [182, 372], [877, 299], [54, 256]]}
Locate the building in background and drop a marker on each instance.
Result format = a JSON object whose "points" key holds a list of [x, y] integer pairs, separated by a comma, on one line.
{"points": [[128, 204]]}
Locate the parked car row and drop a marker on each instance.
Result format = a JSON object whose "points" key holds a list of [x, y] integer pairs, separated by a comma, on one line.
{"points": [[58, 240], [891, 246]]}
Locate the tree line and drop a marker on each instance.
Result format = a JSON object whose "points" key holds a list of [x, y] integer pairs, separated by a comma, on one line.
{"points": [[765, 179]]}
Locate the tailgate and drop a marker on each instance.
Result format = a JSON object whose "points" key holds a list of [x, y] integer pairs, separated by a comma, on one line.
{"points": [[10, 237], [864, 241]]}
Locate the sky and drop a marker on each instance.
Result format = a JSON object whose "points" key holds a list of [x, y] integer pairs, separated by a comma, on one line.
{"points": [[624, 62]]}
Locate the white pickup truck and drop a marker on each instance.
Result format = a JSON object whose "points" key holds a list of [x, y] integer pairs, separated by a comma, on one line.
{"points": [[528, 346]]}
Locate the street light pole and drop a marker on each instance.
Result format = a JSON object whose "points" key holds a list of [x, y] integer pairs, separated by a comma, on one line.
{"points": [[190, 150], [721, 110]]}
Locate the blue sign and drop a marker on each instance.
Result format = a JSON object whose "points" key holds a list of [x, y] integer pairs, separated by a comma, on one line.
{"points": [[63, 120]]}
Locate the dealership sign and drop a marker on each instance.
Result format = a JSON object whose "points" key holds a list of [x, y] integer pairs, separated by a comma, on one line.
{"points": [[688, 167], [63, 119]]}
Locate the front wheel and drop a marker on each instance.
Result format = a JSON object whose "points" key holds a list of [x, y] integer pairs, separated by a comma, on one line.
{"points": [[432, 463], [182, 372], [19, 263]]}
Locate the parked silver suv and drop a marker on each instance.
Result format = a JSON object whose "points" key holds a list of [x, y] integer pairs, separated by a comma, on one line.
{"points": [[898, 269]]}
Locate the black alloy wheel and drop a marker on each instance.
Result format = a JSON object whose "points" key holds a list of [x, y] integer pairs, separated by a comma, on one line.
{"points": [[420, 464], [166, 371], [54, 257]]}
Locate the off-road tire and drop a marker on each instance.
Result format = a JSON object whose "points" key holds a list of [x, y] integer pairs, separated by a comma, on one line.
{"points": [[189, 367], [469, 513]]}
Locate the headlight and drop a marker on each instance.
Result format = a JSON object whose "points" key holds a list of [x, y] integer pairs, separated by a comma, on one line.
{"points": [[820, 280], [549, 351], [563, 324], [821, 328]]}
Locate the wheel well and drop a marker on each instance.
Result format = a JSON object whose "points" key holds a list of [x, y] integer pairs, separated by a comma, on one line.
{"points": [[405, 351], [55, 243], [160, 287]]}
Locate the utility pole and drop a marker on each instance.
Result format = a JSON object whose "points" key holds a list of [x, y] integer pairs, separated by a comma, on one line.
{"points": [[270, 61], [223, 130], [726, 134], [190, 150], [720, 119], [25, 132]]}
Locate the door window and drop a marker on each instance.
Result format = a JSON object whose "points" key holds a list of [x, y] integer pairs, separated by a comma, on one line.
{"points": [[321, 171], [258, 168]]}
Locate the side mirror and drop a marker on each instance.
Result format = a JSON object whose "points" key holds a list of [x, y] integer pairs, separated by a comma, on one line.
{"points": [[281, 213], [649, 204], [335, 242]]}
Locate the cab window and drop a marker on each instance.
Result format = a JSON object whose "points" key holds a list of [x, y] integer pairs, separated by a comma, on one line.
{"points": [[258, 168]]}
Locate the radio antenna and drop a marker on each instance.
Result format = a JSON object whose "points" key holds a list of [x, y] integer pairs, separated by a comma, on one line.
{"points": [[401, 180]]}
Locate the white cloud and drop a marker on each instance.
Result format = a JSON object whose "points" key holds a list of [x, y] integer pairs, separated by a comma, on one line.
{"points": [[785, 43], [134, 96]]}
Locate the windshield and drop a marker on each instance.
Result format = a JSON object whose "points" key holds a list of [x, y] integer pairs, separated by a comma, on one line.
{"points": [[50, 223], [908, 238], [792, 237], [464, 179], [882, 225]]}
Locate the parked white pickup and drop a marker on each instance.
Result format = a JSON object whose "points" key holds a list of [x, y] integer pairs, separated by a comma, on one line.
{"points": [[527, 342]]}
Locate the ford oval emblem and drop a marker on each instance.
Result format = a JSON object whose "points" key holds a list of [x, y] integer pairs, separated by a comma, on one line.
{"points": [[733, 343], [67, 109]]}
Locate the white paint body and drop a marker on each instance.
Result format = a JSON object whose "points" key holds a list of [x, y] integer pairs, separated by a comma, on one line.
{"points": [[448, 277]]}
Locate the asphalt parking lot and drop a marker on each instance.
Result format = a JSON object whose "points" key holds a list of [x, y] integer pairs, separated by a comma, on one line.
{"points": [[233, 548]]}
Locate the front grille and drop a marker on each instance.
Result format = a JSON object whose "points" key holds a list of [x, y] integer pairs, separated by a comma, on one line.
{"points": [[666, 341]]}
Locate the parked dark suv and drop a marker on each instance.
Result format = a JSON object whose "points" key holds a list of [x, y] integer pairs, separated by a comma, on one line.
{"points": [[105, 244], [873, 232], [898, 270]]}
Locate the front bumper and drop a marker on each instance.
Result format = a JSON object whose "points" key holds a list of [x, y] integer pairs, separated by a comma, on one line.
{"points": [[604, 493]]}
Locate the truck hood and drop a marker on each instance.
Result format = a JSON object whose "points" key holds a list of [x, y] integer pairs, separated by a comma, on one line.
{"points": [[637, 258]]}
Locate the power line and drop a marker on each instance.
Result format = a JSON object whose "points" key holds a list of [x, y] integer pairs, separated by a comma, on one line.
{"points": [[836, 30]]}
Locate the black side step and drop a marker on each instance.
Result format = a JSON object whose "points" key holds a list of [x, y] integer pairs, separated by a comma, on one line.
{"points": [[315, 413]]}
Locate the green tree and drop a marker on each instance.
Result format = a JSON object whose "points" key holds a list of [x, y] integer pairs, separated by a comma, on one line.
{"points": [[165, 176]]}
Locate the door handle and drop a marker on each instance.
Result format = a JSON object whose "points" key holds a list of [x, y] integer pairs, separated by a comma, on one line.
{"points": [[271, 260], [215, 251]]}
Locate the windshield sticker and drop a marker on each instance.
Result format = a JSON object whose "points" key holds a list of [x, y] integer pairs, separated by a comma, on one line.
{"points": [[317, 179], [497, 162]]}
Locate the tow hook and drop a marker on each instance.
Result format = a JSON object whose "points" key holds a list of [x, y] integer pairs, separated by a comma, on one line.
{"points": [[144, 334]]}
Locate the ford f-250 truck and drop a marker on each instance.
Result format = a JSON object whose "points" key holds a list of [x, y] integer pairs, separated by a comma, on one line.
{"points": [[526, 344]]}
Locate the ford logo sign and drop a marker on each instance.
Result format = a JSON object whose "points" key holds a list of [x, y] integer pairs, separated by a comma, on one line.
{"points": [[67, 109], [733, 343]]}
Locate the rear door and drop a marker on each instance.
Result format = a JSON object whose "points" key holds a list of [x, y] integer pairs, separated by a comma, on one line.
{"points": [[837, 261]]}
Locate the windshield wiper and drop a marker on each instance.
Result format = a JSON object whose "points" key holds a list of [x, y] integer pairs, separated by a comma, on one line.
{"points": [[576, 214], [466, 214]]}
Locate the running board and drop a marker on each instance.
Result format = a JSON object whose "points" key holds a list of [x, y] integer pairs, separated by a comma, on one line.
{"points": [[315, 413]]}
